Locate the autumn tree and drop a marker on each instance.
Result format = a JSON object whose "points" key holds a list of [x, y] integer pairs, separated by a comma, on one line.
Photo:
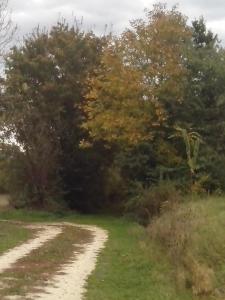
{"points": [[142, 76]]}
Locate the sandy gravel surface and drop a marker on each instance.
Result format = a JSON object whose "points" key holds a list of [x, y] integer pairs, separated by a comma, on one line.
{"points": [[45, 234], [70, 283]]}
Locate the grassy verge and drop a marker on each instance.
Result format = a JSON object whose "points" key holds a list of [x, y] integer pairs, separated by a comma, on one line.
{"points": [[192, 236], [12, 235], [128, 268], [30, 274]]}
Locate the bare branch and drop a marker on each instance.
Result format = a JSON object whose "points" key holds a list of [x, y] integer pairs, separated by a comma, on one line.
{"points": [[7, 29]]}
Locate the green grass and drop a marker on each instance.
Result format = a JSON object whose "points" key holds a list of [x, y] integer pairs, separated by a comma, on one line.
{"points": [[11, 235], [128, 268]]}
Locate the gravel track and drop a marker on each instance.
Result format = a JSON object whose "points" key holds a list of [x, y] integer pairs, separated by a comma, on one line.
{"points": [[70, 282], [45, 234]]}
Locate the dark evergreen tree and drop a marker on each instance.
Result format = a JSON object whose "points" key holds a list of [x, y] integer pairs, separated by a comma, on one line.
{"points": [[203, 109]]}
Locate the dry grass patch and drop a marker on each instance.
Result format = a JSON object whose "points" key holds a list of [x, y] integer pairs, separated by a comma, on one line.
{"points": [[192, 236], [4, 201]]}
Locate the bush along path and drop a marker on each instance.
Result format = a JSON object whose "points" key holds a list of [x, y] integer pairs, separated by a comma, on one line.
{"points": [[53, 265]]}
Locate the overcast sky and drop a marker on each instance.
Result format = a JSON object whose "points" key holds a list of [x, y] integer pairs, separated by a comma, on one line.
{"points": [[27, 14]]}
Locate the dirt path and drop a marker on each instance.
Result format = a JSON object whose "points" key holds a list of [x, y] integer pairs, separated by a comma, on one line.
{"points": [[69, 283], [45, 234]]}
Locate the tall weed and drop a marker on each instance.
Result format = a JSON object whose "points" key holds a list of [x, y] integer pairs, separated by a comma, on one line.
{"points": [[174, 231]]}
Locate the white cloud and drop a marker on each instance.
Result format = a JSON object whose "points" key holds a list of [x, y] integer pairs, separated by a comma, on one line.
{"points": [[97, 13]]}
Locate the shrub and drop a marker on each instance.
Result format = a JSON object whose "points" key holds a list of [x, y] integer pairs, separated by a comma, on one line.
{"points": [[115, 190], [173, 230], [148, 202]]}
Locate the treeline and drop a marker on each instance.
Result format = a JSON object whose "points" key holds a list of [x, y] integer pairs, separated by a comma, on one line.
{"points": [[114, 122]]}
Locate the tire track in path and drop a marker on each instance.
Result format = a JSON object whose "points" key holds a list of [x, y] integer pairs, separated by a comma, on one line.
{"points": [[45, 234], [70, 284]]}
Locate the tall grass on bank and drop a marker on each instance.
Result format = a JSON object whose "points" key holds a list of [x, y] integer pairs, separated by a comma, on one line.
{"points": [[192, 235]]}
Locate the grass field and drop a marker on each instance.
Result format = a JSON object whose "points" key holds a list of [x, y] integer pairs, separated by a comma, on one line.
{"points": [[137, 266]]}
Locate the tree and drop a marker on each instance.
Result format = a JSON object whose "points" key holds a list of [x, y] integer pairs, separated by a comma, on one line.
{"points": [[192, 142], [7, 29], [202, 37], [44, 91], [204, 106], [141, 78]]}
